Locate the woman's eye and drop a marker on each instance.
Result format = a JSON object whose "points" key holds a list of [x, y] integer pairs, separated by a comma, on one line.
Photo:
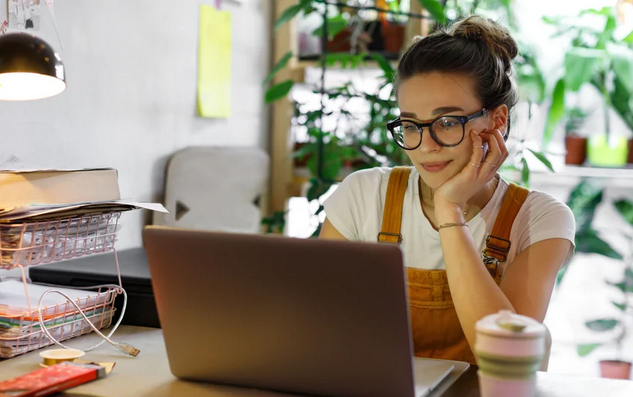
{"points": [[409, 127], [448, 123]]}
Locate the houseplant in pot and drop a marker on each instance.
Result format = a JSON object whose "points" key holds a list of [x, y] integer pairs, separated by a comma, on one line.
{"points": [[583, 202], [598, 58], [575, 142]]}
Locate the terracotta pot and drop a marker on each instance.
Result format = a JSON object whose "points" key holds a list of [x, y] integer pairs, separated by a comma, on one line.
{"points": [[393, 35], [576, 150], [300, 162], [341, 42], [629, 157], [615, 369]]}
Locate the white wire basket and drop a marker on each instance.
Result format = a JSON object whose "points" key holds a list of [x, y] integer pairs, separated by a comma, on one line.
{"points": [[22, 333], [35, 243]]}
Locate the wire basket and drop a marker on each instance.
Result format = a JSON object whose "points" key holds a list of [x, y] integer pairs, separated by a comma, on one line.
{"points": [[35, 243], [22, 334]]}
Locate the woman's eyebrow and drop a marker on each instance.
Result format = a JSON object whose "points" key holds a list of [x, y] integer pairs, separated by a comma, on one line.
{"points": [[446, 109], [440, 110]]}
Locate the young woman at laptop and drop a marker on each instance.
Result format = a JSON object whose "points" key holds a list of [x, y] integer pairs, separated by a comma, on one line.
{"points": [[473, 244]]}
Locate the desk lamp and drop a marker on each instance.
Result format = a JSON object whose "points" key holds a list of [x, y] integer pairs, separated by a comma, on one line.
{"points": [[29, 68]]}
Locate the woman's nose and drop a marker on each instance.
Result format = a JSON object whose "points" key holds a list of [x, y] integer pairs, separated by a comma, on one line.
{"points": [[428, 144]]}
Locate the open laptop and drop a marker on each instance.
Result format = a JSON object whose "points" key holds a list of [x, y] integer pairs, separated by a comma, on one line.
{"points": [[305, 316]]}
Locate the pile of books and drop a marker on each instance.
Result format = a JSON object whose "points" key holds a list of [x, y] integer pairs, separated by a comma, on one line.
{"points": [[49, 215], [46, 216]]}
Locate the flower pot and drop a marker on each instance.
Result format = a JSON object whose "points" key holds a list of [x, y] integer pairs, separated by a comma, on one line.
{"points": [[576, 150], [393, 35], [300, 162], [615, 369], [603, 153], [341, 42]]}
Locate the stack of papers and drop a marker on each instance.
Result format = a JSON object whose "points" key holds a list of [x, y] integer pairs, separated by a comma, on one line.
{"points": [[20, 330], [34, 243], [49, 215], [47, 212]]}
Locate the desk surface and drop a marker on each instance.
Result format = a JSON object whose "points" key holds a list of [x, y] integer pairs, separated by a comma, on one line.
{"points": [[149, 375]]}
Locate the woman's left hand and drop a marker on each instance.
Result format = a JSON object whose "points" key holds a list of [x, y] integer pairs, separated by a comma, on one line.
{"points": [[477, 173]]}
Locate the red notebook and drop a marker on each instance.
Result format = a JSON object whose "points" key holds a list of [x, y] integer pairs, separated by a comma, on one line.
{"points": [[50, 380]]}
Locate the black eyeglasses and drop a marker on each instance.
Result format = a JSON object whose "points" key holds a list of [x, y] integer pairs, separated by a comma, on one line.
{"points": [[447, 131]]}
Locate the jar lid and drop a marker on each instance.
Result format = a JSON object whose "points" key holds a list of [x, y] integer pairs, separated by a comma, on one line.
{"points": [[509, 324]]}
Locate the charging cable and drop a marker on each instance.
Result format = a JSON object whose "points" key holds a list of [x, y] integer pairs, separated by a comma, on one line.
{"points": [[124, 347]]}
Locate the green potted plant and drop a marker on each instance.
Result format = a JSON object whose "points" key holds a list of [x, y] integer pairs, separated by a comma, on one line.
{"points": [[583, 201], [596, 57], [575, 140]]}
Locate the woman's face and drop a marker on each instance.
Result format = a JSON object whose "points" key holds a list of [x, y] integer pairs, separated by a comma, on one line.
{"points": [[424, 98]]}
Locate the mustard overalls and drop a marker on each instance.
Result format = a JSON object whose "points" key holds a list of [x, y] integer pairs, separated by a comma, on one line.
{"points": [[436, 330]]}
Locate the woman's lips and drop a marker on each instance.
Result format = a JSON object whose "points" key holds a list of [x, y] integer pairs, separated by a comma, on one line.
{"points": [[435, 167]]}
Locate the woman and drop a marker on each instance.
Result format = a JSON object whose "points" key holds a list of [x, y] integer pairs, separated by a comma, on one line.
{"points": [[455, 92]]}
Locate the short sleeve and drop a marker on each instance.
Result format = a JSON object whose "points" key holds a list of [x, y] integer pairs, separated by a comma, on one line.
{"points": [[348, 206], [546, 218]]}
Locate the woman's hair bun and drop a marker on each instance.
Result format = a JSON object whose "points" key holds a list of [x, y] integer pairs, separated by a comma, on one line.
{"points": [[496, 37]]}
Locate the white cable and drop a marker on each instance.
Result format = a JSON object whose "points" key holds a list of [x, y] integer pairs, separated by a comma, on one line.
{"points": [[124, 347]]}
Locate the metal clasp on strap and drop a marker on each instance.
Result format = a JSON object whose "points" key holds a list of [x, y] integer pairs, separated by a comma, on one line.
{"points": [[398, 235], [493, 245]]}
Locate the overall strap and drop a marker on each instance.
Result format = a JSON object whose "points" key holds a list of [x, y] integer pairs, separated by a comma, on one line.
{"points": [[498, 242], [392, 212]]}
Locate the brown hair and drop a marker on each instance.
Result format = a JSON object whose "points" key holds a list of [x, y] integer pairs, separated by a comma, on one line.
{"points": [[476, 47]]}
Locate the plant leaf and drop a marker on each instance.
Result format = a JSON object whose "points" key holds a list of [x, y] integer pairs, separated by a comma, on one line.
{"points": [[542, 159], [584, 350], [280, 65], [622, 64], [583, 200], [607, 33], [435, 8], [602, 324], [334, 26], [629, 38], [580, 66], [587, 241], [288, 14], [384, 65], [625, 208], [621, 286], [556, 110], [278, 91], [317, 189], [561, 274], [525, 172], [621, 306]]}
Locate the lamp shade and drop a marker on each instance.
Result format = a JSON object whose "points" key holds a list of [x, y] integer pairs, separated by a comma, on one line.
{"points": [[29, 68]]}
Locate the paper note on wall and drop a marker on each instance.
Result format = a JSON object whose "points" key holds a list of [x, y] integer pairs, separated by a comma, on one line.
{"points": [[214, 63]]}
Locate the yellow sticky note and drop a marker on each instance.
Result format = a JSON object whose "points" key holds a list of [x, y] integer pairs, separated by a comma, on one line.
{"points": [[214, 63]]}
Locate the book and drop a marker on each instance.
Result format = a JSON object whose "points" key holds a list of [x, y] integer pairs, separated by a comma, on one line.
{"points": [[51, 380], [27, 187]]}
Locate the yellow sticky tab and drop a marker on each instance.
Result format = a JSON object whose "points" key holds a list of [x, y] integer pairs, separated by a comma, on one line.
{"points": [[214, 63]]}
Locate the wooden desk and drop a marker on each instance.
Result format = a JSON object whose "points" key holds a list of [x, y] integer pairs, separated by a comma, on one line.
{"points": [[149, 375]]}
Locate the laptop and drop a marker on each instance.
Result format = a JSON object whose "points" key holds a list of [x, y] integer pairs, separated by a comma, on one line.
{"points": [[304, 316]]}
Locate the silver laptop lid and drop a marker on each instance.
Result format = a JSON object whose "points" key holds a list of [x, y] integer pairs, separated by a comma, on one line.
{"points": [[298, 315]]}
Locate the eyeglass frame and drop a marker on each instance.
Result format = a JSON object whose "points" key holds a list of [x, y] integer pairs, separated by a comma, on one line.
{"points": [[462, 120]]}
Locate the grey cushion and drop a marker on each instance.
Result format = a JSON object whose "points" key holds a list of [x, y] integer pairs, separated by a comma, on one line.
{"points": [[215, 188]]}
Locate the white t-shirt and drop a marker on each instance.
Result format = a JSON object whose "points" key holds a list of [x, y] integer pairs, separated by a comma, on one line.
{"points": [[356, 206]]}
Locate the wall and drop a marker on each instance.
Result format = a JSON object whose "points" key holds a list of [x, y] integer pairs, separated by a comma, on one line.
{"points": [[131, 96]]}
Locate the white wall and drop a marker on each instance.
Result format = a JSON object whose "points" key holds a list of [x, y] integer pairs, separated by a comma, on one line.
{"points": [[131, 96]]}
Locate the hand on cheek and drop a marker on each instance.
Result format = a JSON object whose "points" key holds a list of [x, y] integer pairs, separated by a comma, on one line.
{"points": [[488, 153]]}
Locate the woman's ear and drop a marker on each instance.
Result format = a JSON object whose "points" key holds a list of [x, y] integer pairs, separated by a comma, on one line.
{"points": [[499, 117]]}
